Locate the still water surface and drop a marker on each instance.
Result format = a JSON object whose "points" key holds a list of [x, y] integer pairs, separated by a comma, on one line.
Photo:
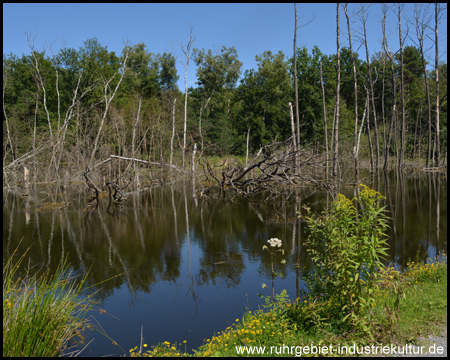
{"points": [[184, 267]]}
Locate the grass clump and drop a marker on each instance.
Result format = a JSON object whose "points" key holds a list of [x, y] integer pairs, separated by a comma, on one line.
{"points": [[42, 315]]}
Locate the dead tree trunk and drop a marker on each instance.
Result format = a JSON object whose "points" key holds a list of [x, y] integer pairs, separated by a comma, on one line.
{"points": [[5, 79], [291, 112], [371, 85], [186, 50], [173, 130], [246, 153], [355, 135], [394, 89], [436, 66], [273, 164], [134, 138], [40, 83], [297, 118], [324, 119], [108, 100], [200, 117], [369, 137], [336, 126], [402, 95], [68, 117], [422, 19]]}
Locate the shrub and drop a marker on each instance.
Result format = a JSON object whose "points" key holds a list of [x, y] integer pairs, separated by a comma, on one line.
{"points": [[347, 247]]}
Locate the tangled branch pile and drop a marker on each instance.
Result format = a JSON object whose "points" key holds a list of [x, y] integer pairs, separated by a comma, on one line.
{"points": [[275, 164]]}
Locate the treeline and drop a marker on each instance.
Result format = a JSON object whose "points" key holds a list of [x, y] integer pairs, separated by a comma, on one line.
{"points": [[70, 109]]}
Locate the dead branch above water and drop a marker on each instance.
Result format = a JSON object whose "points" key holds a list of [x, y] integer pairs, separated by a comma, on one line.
{"points": [[272, 166]]}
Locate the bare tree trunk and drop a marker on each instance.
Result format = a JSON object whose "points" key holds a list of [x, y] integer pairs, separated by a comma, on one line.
{"points": [[402, 95], [40, 82], [134, 138], [59, 98], [186, 50], [362, 122], [417, 141], [34, 136], [336, 126], [173, 130], [68, 117], [5, 79], [369, 137], [193, 158], [246, 153], [108, 101], [324, 119], [436, 65], [421, 22], [391, 60], [371, 84], [200, 117], [291, 113], [355, 154], [297, 118]]}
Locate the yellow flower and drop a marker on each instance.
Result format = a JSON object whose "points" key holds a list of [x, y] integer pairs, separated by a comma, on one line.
{"points": [[145, 345], [237, 320]]}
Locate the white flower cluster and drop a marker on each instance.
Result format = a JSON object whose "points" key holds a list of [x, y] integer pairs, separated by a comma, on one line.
{"points": [[274, 242]]}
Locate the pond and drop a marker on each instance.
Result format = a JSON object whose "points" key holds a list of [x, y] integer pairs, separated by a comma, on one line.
{"points": [[180, 267]]}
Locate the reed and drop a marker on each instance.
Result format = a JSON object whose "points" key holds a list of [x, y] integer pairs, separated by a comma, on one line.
{"points": [[43, 315]]}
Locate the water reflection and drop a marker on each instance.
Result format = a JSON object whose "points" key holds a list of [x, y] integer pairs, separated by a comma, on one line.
{"points": [[184, 266]]}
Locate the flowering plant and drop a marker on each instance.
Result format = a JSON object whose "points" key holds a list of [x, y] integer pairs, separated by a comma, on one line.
{"points": [[274, 243]]}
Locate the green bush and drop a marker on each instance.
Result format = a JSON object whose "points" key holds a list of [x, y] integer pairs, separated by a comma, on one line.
{"points": [[347, 247]]}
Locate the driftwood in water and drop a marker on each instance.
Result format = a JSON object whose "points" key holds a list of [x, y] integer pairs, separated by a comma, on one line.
{"points": [[115, 191], [271, 166], [117, 196], [91, 185]]}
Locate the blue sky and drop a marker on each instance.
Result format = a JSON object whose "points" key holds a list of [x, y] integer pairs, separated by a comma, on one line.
{"points": [[250, 28]]}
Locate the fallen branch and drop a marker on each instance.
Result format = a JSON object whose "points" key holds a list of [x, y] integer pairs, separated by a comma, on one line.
{"points": [[269, 168], [135, 160]]}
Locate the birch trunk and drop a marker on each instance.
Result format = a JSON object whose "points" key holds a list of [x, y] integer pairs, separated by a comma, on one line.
{"points": [[108, 101], [402, 95], [355, 153], [371, 84], [324, 119], [297, 118], [173, 130], [134, 139], [336, 126], [436, 65]]}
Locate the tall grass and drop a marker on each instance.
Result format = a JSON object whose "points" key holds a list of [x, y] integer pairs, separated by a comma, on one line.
{"points": [[43, 315]]}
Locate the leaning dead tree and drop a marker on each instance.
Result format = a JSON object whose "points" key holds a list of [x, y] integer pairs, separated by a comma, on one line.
{"points": [[113, 185], [108, 97], [271, 167]]}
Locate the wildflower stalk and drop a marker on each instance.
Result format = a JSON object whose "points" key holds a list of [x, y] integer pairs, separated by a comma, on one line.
{"points": [[274, 243]]}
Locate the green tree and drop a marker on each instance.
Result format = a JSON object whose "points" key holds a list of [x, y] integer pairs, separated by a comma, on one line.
{"points": [[217, 75], [263, 96]]}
